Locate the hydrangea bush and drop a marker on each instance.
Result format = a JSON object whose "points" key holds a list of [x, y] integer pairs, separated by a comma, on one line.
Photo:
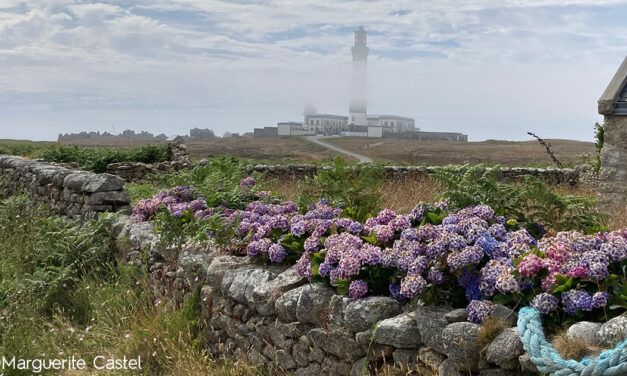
{"points": [[469, 258]]}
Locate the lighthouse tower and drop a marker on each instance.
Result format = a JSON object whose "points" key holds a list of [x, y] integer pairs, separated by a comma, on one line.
{"points": [[359, 80]]}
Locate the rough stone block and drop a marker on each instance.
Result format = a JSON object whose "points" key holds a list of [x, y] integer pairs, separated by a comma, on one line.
{"points": [[613, 331], [461, 345], [400, 331], [220, 264], [431, 323], [313, 304], [76, 180], [505, 350], [361, 314], [117, 198], [586, 330], [103, 183], [239, 284], [265, 294]]}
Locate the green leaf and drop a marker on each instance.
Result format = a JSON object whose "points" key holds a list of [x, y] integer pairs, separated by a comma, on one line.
{"points": [[372, 239], [341, 286], [517, 261], [501, 299]]}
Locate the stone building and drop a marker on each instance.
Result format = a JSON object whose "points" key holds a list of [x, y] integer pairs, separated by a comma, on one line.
{"points": [[613, 174]]}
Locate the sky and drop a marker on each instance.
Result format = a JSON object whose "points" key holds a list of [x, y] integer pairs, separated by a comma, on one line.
{"points": [[493, 69]]}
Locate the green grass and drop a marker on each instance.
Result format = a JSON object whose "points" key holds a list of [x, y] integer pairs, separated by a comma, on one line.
{"points": [[22, 147], [93, 159], [62, 294], [97, 159]]}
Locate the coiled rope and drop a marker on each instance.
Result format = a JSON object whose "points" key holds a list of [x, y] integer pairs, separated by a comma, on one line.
{"points": [[547, 360]]}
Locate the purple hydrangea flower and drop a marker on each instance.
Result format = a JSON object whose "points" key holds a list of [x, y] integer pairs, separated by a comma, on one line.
{"points": [[276, 253], [545, 303], [248, 182], [577, 300], [412, 285], [357, 289], [436, 276], [599, 299], [479, 310], [258, 247]]}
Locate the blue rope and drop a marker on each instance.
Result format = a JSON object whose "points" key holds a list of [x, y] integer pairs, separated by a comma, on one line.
{"points": [[547, 360]]}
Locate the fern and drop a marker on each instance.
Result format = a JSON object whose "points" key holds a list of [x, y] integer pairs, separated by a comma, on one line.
{"points": [[345, 186], [532, 203]]}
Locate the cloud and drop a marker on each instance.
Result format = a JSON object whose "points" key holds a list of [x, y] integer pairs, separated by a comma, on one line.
{"points": [[491, 68]]}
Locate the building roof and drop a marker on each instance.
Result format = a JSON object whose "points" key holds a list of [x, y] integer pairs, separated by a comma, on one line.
{"points": [[390, 117], [328, 116], [614, 98]]}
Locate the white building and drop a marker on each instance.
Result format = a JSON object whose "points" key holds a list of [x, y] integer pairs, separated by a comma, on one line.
{"points": [[393, 123], [326, 124]]}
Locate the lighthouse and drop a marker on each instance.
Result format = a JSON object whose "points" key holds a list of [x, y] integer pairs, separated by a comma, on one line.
{"points": [[359, 80]]}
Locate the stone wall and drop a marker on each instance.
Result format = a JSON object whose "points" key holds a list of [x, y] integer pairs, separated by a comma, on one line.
{"points": [[613, 173], [578, 176], [73, 193], [270, 316], [134, 171]]}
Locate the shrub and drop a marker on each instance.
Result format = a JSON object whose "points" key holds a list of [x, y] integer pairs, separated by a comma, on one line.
{"points": [[97, 159], [46, 257], [20, 147]]}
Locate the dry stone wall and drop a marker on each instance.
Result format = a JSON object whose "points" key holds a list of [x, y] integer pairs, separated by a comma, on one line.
{"points": [[73, 193], [270, 316], [578, 176], [613, 174], [134, 171]]}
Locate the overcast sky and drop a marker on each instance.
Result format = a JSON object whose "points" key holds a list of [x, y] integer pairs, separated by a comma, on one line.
{"points": [[493, 69]]}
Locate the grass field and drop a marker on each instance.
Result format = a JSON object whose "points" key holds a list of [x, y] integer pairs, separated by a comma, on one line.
{"points": [[296, 149], [282, 149], [22, 147], [507, 153]]}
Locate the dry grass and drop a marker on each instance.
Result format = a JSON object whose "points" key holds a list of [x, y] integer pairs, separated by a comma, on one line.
{"points": [[507, 153], [402, 195], [490, 329], [618, 220], [284, 149], [297, 149], [573, 349], [288, 188], [294, 149]]}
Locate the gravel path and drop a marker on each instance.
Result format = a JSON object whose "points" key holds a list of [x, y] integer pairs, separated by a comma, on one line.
{"points": [[318, 140]]}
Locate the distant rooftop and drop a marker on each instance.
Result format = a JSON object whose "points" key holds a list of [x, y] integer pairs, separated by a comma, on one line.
{"points": [[328, 116], [373, 116]]}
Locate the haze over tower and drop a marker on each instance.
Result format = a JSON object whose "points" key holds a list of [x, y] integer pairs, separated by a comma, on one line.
{"points": [[359, 80]]}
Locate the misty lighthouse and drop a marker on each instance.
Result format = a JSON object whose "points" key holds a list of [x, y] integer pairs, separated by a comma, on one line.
{"points": [[359, 80]]}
